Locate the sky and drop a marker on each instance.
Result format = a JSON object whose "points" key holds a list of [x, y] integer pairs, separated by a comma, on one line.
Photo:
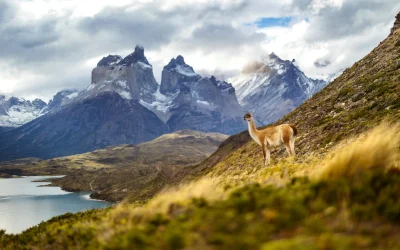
{"points": [[50, 45]]}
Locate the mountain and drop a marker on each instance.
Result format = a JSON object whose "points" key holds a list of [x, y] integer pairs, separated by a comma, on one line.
{"points": [[186, 100], [273, 87], [131, 77], [61, 99], [140, 170], [5, 129], [176, 74], [17, 111], [93, 123]]}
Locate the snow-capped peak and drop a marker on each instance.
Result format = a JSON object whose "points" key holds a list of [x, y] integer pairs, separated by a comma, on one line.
{"points": [[132, 77], [178, 65], [109, 60], [273, 87], [136, 56], [176, 74]]}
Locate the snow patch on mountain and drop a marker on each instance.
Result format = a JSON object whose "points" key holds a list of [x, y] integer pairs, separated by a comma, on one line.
{"points": [[73, 95], [125, 95], [15, 112], [161, 104], [182, 69]]}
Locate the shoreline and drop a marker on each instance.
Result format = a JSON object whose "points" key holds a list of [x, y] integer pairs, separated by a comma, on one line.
{"points": [[79, 198], [50, 180]]}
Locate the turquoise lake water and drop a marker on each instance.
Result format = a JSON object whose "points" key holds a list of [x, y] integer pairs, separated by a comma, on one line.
{"points": [[23, 204]]}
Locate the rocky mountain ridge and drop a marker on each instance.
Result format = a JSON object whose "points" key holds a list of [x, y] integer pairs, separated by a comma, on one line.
{"points": [[15, 111]]}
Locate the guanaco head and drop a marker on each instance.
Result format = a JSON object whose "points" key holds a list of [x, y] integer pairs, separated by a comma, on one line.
{"points": [[247, 117]]}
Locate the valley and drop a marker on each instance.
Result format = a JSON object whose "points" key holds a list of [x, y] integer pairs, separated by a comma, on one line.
{"points": [[126, 171]]}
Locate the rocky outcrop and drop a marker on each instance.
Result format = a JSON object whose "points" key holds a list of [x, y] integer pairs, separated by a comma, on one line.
{"points": [[396, 24], [176, 74], [109, 60], [207, 105], [131, 77], [188, 101]]}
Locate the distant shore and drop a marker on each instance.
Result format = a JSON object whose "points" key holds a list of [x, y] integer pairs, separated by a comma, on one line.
{"points": [[8, 176]]}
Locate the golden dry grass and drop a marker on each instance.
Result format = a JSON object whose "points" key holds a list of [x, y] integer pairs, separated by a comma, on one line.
{"points": [[378, 149], [207, 188]]}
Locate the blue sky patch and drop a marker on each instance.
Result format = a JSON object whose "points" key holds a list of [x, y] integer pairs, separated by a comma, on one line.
{"points": [[273, 21]]}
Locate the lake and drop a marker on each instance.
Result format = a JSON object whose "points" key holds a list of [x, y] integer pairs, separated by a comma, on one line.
{"points": [[24, 204]]}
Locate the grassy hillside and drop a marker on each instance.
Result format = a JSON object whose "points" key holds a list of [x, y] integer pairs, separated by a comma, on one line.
{"points": [[341, 192], [125, 171], [349, 202]]}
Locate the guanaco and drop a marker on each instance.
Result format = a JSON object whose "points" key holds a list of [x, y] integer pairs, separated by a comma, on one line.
{"points": [[272, 136]]}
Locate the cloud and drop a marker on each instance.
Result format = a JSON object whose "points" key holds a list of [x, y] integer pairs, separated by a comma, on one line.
{"points": [[219, 73], [340, 32], [121, 28], [215, 37], [6, 12], [335, 19], [44, 55], [51, 45], [321, 63]]}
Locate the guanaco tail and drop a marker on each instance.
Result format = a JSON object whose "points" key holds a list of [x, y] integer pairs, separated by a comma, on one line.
{"points": [[272, 136]]}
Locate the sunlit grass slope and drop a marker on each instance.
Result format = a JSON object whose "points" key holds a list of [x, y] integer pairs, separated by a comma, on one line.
{"points": [[340, 201]]}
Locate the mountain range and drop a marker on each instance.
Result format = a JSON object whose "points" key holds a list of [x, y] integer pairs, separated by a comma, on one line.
{"points": [[125, 104]]}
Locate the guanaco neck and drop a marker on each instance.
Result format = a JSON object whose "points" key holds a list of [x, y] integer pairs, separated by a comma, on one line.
{"points": [[252, 127]]}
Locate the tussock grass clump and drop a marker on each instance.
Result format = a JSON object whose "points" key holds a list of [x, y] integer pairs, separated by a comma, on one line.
{"points": [[377, 150], [208, 188]]}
